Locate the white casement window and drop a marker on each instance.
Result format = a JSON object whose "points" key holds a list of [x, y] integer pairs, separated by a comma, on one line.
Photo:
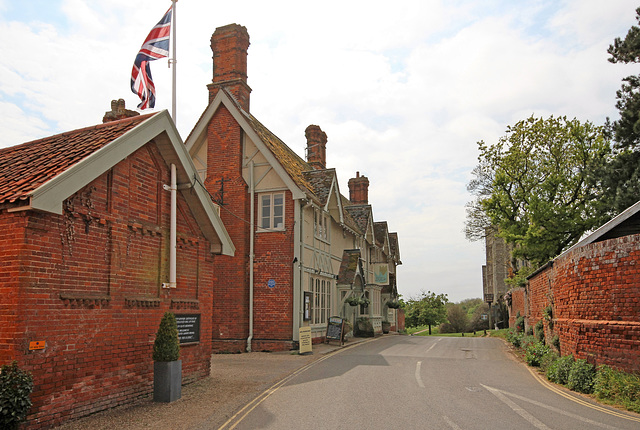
{"points": [[321, 300], [272, 211], [321, 225]]}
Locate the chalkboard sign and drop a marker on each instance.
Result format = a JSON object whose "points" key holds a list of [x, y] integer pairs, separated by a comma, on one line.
{"points": [[188, 327], [335, 327]]}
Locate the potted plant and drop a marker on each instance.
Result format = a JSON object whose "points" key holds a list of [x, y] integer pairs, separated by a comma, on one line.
{"points": [[352, 301], [15, 388], [364, 301], [167, 366], [393, 304]]}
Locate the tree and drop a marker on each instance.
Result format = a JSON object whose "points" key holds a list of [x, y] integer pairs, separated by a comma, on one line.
{"points": [[427, 309], [621, 176], [535, 184], [457, 318]]}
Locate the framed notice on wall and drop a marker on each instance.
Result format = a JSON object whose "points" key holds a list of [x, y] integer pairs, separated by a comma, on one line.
{"points": [[188, 327], [306, 312]]}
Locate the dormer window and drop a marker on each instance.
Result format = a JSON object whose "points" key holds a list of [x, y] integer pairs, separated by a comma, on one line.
{"points": [[272, 211]]}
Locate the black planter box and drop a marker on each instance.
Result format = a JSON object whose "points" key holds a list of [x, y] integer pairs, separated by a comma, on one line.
{"points": [[167, 381]]}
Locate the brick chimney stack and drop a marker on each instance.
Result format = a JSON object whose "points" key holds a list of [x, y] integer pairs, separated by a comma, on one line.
{"points": [[229, 45], [359, 190], [118, 111], [316, 147]]}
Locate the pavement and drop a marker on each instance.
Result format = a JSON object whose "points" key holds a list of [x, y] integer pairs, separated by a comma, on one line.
{"points": [[235, 381]]}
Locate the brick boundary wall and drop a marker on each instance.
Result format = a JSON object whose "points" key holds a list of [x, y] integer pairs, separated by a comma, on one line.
{"points": [[594, 292], [517, 305]]}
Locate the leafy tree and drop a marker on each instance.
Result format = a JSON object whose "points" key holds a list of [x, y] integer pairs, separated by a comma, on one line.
{"points": [[621, 176], [477, 322], [457, 318], [427, 309], [535, 184]]}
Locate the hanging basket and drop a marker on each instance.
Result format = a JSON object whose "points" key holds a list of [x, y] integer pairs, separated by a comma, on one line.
{"points": [[352, 301]]}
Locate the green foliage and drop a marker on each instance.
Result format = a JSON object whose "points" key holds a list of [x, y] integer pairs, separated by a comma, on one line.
{"points": [[581, 377], [529, 331], [547, 360], [539, 331], [514, 337], [534, 352], [621, 175], [548, 315], [393, 304], [532, 184], [428, 309], [477, 323], [555, 341], [619, 387], [15, 388], [558, 371], [457, 318], [519, 322], [167, 344]]}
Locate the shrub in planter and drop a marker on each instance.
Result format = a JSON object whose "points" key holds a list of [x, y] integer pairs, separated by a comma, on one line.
{"points": [[558, 371], [167, 369], [581, 377], [364, 328], [15, 388], [534, 353]]}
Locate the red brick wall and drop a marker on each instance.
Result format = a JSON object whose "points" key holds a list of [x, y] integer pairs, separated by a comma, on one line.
{"points": [[273, 253], [224, 165], [595, 293], [400, 319], [517, 305], [88, 284]]}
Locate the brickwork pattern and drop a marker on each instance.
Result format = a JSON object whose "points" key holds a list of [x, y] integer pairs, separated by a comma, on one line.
{"points": [[88, 284], [595, 295]]}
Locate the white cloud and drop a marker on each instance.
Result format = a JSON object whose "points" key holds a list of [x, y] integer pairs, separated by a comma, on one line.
{"points": [[404, 93]]}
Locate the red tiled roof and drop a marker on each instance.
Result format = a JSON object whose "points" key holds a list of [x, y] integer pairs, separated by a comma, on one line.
{"points": [[25, 167]]}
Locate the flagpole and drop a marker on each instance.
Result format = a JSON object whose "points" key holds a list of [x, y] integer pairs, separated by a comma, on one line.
{"points": [[173, 77]]}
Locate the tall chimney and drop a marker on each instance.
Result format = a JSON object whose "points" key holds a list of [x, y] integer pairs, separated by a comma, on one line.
{"points": [[316, 147], [359, 190], [229, 45], [118, 111]]}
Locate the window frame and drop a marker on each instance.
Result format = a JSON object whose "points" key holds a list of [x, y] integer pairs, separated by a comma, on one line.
{"points": [[320, 289], [271, 206]]}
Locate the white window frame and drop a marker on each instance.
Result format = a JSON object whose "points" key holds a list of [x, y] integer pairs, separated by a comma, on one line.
{"points": [[266, 201], [321, 225], [320, 299]]}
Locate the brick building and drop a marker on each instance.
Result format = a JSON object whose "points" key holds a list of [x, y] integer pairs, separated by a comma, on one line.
{"points": [[589, 296], [302, 247], [85, 227]]}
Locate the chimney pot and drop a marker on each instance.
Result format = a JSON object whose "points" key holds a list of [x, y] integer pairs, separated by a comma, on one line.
{"points": [[316, 147], [359, 190], [118, 111], [229, 45]]}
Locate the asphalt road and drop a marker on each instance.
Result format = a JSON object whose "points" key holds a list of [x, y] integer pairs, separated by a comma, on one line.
{"points": [[402, 382]]}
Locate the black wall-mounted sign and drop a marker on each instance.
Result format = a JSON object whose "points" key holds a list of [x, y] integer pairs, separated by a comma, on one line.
{"points": [[188, 327]]}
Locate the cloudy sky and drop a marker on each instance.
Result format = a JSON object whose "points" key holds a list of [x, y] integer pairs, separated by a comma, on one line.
{"points": [[404, 90]]}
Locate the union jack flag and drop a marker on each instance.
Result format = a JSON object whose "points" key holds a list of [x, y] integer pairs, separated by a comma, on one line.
{"points": [[155, 46]]}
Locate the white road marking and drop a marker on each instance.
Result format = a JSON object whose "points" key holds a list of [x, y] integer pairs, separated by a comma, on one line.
{"points": [[418, 377], [451, 424], [434, 344], [554, 409], [517, 409]]}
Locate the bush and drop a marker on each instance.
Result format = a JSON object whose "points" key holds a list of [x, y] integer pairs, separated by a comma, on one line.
{"points": [[558, 371], [619, 387], [547, 360], [519, 322], [167, 345], [581, 377], [15, 388], [539, 331], [514, 337], [555, 341], [534, 352]]}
